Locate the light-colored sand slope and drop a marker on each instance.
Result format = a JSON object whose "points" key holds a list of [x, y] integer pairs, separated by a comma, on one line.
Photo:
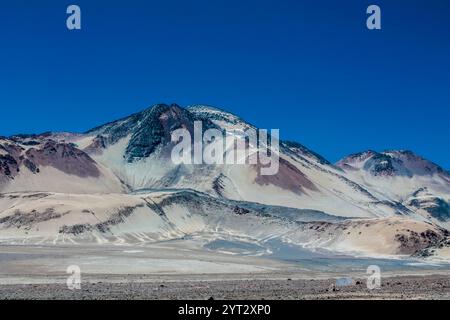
{"points": [[167, 215]]}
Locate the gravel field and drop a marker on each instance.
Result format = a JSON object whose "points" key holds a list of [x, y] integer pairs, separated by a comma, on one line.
{"points": [[177, 270], [399, 287]]}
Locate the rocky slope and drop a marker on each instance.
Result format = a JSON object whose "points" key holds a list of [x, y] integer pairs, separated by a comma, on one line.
{"points": [[117, 182], [161, 216]]}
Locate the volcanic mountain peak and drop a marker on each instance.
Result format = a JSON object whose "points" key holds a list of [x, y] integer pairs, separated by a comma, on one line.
{"points": [[390, 163], [223, 119], [355, 158], [146, 130], [213, 112], [134, 120], [415, 163]]}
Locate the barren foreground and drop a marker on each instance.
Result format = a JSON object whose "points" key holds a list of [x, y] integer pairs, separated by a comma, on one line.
{"points": [[180, 270], [397, 287]]}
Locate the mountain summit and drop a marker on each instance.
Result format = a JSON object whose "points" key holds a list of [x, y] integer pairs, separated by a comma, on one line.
{"points": [[391, 163]]}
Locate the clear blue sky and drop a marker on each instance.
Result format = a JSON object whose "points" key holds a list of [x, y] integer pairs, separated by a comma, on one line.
{"points": [[310, 68]]}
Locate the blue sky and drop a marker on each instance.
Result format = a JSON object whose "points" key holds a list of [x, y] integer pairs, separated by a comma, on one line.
{"points": [[310, 68]]}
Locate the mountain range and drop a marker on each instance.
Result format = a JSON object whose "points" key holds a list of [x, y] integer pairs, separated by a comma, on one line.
{"points": [[116, 183]]}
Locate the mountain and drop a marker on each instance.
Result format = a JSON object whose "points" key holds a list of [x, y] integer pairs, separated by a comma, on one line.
{"points": [[42, 163], [418, 184], [117, 182], [392, 163]]}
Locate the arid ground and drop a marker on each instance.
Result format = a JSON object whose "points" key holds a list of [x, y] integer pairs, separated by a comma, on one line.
{"points": [[175, 271], [396, 287]]}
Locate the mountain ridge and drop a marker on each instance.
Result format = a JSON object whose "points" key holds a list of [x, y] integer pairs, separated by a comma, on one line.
{"points": [[207, 108], [119, 158]]}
